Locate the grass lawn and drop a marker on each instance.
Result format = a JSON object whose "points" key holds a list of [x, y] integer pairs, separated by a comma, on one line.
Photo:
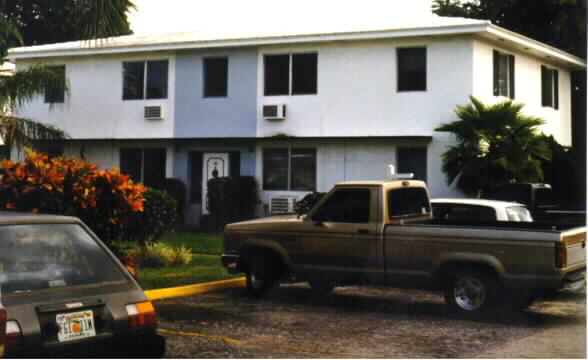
{"points": [[206, 263], [200, 242]]}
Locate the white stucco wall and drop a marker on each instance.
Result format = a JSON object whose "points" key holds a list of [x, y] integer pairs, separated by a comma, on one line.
{"points": [[527, 88], [358, 159], [357, 93], [95, 108]]}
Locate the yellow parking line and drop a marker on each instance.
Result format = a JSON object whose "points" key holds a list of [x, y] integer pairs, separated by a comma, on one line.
{"points": [[195, 289], [213, 337]]}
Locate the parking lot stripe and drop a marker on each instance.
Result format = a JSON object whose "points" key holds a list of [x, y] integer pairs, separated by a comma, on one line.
{"points": [[195, 289], [212, 337]]}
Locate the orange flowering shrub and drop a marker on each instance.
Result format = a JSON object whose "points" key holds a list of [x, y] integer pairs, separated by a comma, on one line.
{"points": [[104, 199]]}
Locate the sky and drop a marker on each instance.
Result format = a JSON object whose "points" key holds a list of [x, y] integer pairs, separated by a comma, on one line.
{"points": [[185, 15]]}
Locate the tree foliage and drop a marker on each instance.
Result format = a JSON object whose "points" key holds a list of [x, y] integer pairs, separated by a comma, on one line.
{"points": [[496, 144], [52, 21], [559, 23]]}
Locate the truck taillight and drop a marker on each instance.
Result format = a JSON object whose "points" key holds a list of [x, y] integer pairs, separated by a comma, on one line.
{"points": [[561, 255], [142, 314], [13, 334]]}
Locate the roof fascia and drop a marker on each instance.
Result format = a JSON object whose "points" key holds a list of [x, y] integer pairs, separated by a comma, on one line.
{"points": [[16, 54], [526, 42]]}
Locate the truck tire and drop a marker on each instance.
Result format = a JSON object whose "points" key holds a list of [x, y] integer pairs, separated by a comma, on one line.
{"points": [[471, 291], [321, 287], [259, 276]]}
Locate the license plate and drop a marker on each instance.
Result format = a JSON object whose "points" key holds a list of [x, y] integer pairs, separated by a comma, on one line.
{"points": [[75, 326]]}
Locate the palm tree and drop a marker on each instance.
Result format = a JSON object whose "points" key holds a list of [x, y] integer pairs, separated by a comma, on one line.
{"points": [[100, 19], [496, 144]]}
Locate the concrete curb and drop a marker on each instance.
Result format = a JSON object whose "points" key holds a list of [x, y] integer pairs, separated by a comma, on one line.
{"points": [[195, 289]]}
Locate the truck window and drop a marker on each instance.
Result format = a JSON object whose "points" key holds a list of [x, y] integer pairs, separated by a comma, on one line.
{"points": [[345, 206], [408, 201]]}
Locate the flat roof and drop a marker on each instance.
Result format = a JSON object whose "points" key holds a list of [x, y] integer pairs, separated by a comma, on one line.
{"points": [[226, 37]]}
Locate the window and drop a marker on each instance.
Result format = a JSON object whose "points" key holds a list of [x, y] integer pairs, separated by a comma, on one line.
{"points": [[504, 75], [216, 71], [465, 213], [145, 166], [294, 74], [345, 206], [549, 87], [408, 202], [56, 92], [134, 85], [289, 169], [412, 160], [412, 69]]}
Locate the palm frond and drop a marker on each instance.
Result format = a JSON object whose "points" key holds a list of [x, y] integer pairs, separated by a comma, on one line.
{"points": [[104, 18], [24, 85], [21, 132]]}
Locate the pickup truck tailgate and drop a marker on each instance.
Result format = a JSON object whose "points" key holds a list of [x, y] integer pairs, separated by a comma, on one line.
{"points": [[575, 244]]}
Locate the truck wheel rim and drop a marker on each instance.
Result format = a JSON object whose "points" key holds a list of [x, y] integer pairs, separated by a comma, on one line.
{"points": [[469, 293], [256, 282]]}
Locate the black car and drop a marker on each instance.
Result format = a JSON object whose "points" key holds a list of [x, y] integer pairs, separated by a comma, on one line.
{"points": [[66, 295]]}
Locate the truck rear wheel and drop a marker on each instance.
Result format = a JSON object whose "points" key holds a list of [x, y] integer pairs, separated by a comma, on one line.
{"points": [[471, 292], [259, 276]]}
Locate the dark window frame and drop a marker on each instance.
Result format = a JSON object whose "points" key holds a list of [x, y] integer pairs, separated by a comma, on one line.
{"points": [[405, 75], [146, 80], [215, 85], [401, 161], [504, 70], [301, 77], [549, 87], [56, 94], [290, 183]]}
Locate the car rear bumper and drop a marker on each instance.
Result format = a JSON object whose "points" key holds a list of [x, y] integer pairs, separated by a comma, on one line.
{"points": [[145, 344]]}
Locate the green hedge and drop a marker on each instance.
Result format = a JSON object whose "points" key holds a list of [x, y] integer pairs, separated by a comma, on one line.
{"points": [[231, 199]]}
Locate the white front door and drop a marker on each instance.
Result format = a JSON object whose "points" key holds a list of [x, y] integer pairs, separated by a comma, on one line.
{"points": [[215, 165]]}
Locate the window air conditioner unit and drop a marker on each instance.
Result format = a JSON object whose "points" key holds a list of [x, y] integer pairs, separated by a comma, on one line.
{"points": [[154, 112], [282, 205], [274, 112]]}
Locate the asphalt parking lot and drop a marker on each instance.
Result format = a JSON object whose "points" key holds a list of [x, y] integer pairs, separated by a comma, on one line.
{"points": [[364, 322]]}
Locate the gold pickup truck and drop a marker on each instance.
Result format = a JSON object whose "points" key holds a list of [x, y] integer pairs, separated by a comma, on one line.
{"points": [[381, 232]]}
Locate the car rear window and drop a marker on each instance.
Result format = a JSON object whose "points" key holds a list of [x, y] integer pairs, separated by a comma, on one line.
{"points": [[46, 256], [518, 213]]}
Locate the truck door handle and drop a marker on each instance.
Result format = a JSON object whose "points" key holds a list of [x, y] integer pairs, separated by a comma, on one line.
{"points": [[363, 231]]}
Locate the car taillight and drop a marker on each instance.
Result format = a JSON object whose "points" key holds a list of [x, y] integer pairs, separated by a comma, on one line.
{"points": [[13, 333], [3, 317], [142, 314], [561, 255]]}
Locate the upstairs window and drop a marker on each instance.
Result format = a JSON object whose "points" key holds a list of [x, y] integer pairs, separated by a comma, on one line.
{"points": [[216, 75], [294, 74], [145, 166], [56, 92], [504, 75], [136, 72], [549, 87], [412, 69]]}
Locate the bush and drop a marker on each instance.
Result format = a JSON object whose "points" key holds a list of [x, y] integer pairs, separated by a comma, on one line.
{"points": [[159, 254], [306, 204], [177, 190], [157, 218], [104, 199], [231, 199]]}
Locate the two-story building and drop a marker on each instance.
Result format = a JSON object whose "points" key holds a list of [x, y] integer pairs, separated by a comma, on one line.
{"points": [[297, 108]]}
